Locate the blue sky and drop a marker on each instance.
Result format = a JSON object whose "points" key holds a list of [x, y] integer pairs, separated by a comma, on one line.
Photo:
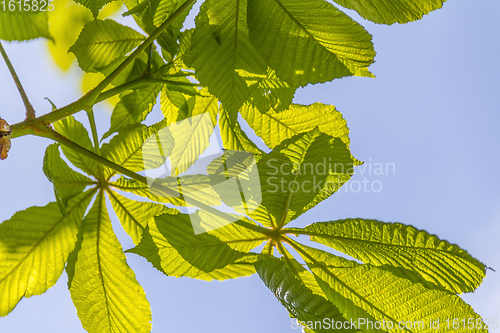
{"points": [[432, 112]]}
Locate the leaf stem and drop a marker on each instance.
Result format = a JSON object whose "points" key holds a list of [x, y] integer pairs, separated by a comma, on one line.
{"points": [[287, 256], [93, 127], [95, 138], [254, 227], [269, 247], [30, 112], [295, 231], [275, 227]]}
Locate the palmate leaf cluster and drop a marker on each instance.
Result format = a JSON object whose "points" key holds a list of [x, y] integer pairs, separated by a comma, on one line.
{"points": [[243, 60]]}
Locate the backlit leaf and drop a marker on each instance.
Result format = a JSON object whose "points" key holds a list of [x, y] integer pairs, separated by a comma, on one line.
{"points": [[275, 127], [400, 245], [195, 186], [177, 104], [136, 148], [34, 246], [74, 130], [103, 287], [300, 173], [151, 14], [225, 60], [272, 93], [103, 41], [392, 11], [192, 134], [386, 294], [133, 107], [135, 215], [23, 27], [309, 41], [299, 300], [171, 245], [93, 5], [66, 22], [67, 183], [233, 137]]}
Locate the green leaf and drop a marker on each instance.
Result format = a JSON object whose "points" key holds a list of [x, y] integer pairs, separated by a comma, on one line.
{"points": [[153, 13], [134, 7], [133, 107], [400, 245], [74, 130], [67, 183], [182, 85], [195, 186], [300, 173], [225, 60], [272, 93], [235, 177], [103, 41], [103, 287], [34, 246], [296, 297], [135, 215], [23, 27], [232, 135], [145, 62], [184, 47], [392, 11], [94, 5], [385, 294], [176, 91], [160, 11], [309, 41], [192, 134], [275, 127], [177, 106], [171, 245], [241, 267], [241, 235], [137, 148]]}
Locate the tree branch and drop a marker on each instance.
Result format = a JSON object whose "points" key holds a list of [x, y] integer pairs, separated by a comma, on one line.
{"points": [[30, 112], [70, 109]]}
